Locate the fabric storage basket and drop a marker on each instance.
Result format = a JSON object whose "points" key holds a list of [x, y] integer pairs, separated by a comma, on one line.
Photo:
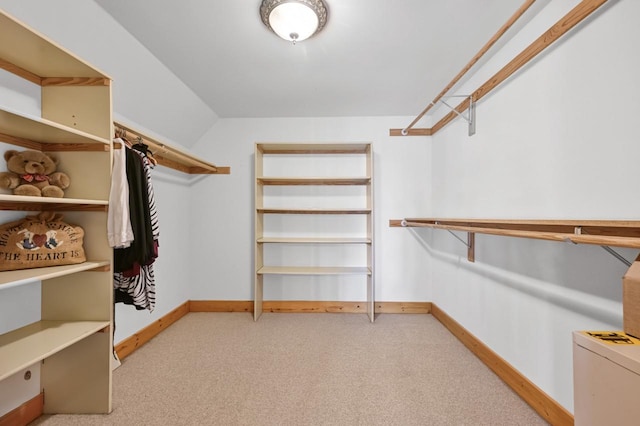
{"points": [[39, 241]]}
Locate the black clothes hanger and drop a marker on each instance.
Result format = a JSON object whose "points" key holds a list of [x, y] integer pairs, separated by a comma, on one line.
{"points": [[143, 148]]}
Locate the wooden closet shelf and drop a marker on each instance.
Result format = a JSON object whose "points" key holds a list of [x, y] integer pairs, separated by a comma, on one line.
{"points": [[618, 233], [311, 211], [314, 270], [313, 240], [170, 156], [292, 181], [23, 276], [33, 57], [26, 203], [44, 135], [319, 148], [30, 344]]}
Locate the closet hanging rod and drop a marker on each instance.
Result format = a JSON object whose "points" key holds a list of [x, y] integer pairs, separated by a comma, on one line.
{"points": [[617, 233], [170, 156], [525, 6]]}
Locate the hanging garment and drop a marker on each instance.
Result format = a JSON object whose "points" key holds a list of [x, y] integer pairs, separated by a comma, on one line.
{"points": [[134, 280], [149, 164], [140, 251], [119, 230], [139, 290]]}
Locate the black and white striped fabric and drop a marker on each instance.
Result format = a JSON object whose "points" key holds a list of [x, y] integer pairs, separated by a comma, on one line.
{"points": [[139, 290]]}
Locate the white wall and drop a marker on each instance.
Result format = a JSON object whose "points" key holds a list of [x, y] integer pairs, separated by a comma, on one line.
{"points": [[223, 206], [557, 140]]}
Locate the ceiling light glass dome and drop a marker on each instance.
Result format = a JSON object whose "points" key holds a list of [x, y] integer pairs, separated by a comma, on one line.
{"points": [[294, 20]]}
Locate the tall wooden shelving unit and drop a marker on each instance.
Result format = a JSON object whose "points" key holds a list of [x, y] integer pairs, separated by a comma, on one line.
{"points": [[73, 339], [304, 155]]}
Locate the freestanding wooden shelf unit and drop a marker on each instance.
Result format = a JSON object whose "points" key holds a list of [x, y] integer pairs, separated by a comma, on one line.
{"points": [[73, 339], [304, 178]]}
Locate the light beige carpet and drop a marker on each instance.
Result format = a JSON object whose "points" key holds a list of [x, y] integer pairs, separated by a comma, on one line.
{"points": [[306, 369]]}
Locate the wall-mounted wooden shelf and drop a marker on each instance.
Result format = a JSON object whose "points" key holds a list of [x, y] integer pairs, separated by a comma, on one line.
{"points": [[171, 156]]}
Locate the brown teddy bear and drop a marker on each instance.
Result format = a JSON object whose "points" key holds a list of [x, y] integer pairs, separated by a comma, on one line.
{"points": [[33, 173]]}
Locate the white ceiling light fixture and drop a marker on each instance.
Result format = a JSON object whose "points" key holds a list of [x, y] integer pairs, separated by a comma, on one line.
{"points": [[294, 20]]}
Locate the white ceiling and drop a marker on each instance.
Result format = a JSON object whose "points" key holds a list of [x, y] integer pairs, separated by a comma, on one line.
{"points": [[374, 57]]}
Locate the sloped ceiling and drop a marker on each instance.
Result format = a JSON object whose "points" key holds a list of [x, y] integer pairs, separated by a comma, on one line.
{"points": [[374, 57]]}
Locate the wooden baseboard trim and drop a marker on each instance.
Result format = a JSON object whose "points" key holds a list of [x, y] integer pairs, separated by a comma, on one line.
{"points": [[130, 344], [24, 414], [297, 306], [221, 306], [542, 403], [403, 307], [304, 306]]}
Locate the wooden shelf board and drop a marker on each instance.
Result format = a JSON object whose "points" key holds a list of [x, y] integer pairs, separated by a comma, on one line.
{"points": [[26, 203], [33, 343], [312, 211], [23, 276], [314, 240], [51, 200], [314, 180], [314, 270], [293, 148], [33, 52], [36, 130]]}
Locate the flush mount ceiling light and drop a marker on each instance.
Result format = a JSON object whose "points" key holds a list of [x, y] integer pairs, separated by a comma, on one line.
{"points": [[294, 20]]}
